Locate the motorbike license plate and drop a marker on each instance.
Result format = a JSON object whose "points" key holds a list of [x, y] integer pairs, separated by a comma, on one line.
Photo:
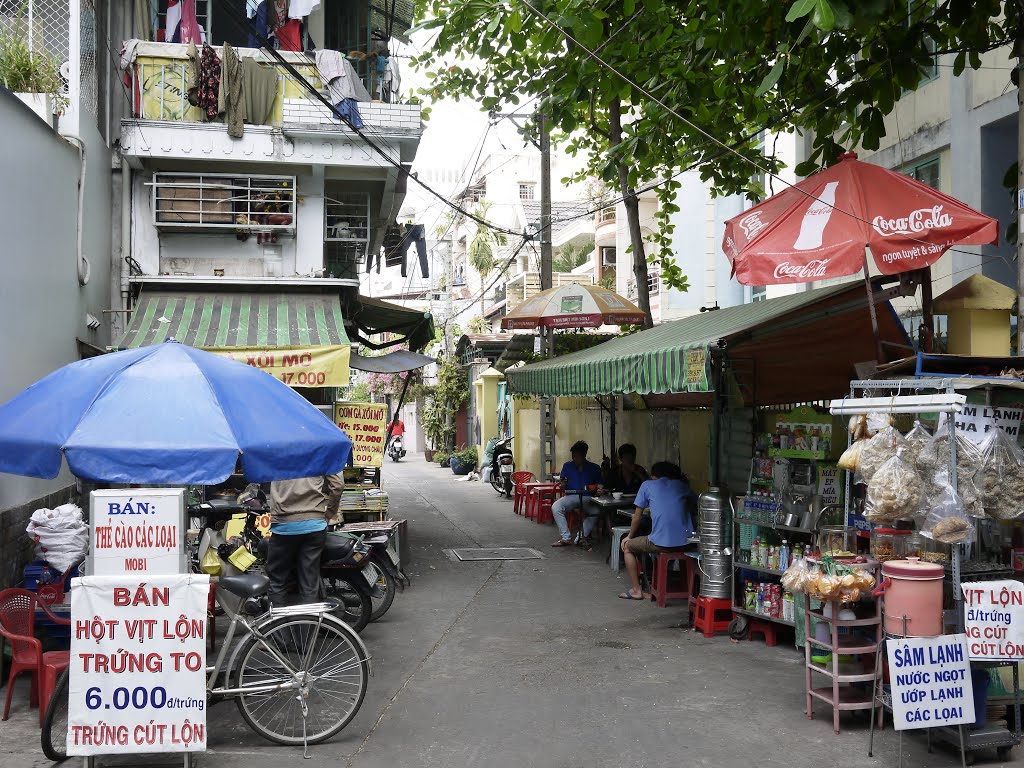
{"points": [[392, 557], [370, 574], [506, 469]]}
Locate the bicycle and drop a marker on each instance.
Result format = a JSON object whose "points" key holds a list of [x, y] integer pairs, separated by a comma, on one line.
{"points": [[299, 674]]}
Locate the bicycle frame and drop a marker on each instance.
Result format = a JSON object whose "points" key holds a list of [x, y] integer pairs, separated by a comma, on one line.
{"points": [[252, 628]]}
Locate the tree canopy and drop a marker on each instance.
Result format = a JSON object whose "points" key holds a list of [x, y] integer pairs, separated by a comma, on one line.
{"points": [[698, 83]]}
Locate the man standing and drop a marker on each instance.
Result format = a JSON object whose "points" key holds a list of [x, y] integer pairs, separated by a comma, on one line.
{"points": [[668, 495], [580, 478], [299, 510]]}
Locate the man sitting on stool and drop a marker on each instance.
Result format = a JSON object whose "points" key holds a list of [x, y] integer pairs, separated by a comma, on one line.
{"points": [[668, 495], [576, 476]]}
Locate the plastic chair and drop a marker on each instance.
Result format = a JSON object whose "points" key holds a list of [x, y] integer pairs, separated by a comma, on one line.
{"points": [[17, 626], [519, 480], [54, 662]]}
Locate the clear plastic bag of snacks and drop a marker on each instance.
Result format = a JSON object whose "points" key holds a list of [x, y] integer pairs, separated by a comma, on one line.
{"points": [[947, 520], [934, 457], [893, 493], [916, 439], [796, 576], [1001, 477], [878, 450]]}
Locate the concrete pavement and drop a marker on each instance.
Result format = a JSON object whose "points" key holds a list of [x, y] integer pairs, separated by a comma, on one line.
{"points": [[536, 663]]}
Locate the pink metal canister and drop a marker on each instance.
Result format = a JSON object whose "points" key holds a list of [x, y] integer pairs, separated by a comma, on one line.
{"points": [[913, 590]]}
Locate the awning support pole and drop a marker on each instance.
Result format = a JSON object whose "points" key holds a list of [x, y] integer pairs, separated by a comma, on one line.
{"points": [[401, 399], [874, 315], [718, 363]]}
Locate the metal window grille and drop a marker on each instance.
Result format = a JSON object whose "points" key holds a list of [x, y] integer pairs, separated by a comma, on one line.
{"points": [[526, 191], [223, 201], [43, 24], [88, 92], [346, 233], [653, 283]]}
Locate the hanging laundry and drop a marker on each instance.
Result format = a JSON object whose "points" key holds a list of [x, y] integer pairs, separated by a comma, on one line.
{"points": [[143, 26], [277, 15], [230, 95], [259, 21], [300, 9], [207, 82], [289, 36], [342, 80], [415, 234], [188, 30], [172, 19], [349, 110], [259, 85]]}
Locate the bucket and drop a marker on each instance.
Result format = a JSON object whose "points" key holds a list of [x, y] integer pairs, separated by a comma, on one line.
{"points": [[913, 590]]}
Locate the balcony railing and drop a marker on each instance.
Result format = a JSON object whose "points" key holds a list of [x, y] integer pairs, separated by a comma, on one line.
{"points": [[606, 216]]}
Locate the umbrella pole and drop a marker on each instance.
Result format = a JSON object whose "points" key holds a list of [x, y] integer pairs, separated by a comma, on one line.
{"points": [[874, 315]]}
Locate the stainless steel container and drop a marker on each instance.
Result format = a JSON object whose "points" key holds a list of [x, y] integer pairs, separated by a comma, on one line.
{"points": [[711, 505], [715, 574]]}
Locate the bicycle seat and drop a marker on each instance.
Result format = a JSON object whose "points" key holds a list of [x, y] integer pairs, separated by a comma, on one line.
{"points": [[245, 585]]}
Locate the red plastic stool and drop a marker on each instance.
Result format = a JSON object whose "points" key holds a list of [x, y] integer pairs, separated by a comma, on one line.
{"points": [[54, 662], [659, 581], [574, 519], [769, 631], [708, 615]]}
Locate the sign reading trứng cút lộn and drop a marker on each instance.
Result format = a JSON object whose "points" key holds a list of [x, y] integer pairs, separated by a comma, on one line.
{"points": [[994, 620], [366, 426], [930, 679], [137, 674]]}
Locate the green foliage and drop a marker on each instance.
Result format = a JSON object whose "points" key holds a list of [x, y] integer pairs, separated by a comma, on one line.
{"points": [[25, 71], [442, 401], [570, 256], [441, 457], [467, 455], [479, 324], [358, 393]]}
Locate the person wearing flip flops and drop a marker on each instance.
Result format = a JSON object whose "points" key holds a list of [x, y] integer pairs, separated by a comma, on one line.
{"points": [[669, 497], [580, 478]]}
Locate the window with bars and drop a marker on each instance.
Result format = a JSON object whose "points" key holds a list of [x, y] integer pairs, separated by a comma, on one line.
{"points": [[926, 172], [223, 201], [526, 191]]}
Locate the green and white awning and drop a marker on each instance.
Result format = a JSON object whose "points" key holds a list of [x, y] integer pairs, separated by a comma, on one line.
{"points": [[791, 348]]}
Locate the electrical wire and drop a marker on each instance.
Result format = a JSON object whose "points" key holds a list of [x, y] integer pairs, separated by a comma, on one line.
{"points": [[245, 24]]}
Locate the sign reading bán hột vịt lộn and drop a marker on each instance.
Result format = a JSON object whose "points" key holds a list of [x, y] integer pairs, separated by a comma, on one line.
{"points": [[137, 675], [994, 619], [366, 426], [137, 530], [930, 679]]}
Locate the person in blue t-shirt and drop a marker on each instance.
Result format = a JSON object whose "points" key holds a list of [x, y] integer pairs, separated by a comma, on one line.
{"points": [[669, 496], [580, 479]]}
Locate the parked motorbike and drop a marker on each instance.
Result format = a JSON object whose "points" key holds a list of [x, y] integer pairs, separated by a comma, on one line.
{"points": [[502, 467], [396, 448]]}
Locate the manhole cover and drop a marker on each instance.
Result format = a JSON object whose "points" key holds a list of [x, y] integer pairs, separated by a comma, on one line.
{"points": [[498, 553]]}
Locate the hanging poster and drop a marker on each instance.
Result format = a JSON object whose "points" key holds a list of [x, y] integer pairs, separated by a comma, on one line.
{"points": [[930, 680], [698, 369], [974, 421], [137, 680], [366, 426], [994, 619]]}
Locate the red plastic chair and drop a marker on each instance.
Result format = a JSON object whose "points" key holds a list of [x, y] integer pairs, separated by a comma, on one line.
{"points": [[17, 626], [519, 480]]}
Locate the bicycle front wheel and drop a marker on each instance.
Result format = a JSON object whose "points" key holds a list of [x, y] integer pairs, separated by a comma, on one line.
{"points": [[331, 673], [54, 736]]}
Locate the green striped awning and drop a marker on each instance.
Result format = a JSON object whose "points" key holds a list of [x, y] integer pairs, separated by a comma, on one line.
{"points": [[236, 320], [792, 352]]}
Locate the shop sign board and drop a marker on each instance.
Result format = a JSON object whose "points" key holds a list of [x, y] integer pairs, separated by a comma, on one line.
{"points": [[366, 426], [326, 366], [930, 681], [137, 679], [994, 620], [698, 369], [974, 421], [137, 530]]}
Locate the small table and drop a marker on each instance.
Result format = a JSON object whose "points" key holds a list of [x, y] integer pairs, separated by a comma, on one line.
{"points": [[530, 488]]}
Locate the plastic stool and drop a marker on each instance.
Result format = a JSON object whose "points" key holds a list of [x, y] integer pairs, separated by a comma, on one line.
{"points": [[574, 519], [659, 581], [618, 534], [707, 617], [768, 630], [54, 662]]}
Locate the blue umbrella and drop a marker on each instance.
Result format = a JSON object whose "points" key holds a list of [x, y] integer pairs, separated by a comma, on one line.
{"points": [[166, 414]]}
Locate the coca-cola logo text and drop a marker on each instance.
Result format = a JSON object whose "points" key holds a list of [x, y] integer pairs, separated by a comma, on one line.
{"points": [[812, 270], [915, 222], [751, 224]]}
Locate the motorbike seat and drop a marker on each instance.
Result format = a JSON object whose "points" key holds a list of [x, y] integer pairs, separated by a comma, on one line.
{"points": [[245, 585], [337, 548], [377, 540]]}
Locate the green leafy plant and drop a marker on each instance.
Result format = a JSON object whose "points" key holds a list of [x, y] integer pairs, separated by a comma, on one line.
{"points": [[25, 71], [467, 456], [570, 256], [442, 457]]}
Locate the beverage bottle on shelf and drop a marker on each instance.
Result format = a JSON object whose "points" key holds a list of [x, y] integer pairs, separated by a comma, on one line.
{"points": [[784, 555], [755, 552], [760, 597]]}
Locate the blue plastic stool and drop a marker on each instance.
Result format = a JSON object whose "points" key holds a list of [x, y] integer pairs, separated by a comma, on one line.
{"points": [[618, 534]]}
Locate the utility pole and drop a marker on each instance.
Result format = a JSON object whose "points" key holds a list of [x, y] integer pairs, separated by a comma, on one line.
{"points": [[1020, 190]]}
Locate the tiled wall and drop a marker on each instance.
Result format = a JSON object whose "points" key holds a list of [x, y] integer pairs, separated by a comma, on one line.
{"points": [[379, 115]]}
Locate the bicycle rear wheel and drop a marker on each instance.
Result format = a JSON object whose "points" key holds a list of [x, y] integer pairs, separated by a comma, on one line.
{"points": [[54, 736], [335, 679]]}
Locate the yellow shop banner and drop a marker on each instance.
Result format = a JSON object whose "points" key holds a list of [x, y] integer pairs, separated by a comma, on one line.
{"points": [[366, 426], [296, 366]]}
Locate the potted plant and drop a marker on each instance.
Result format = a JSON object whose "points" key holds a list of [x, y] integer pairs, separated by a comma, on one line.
{"points": [[442, 458], [33, 77], [463, 462]]}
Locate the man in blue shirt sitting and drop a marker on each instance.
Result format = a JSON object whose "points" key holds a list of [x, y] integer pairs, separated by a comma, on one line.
{"points": [[576, 476], [668, 495]]}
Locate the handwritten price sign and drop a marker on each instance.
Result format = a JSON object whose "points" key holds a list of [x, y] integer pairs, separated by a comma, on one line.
{"points": [[366, 426], [994, 619], [138, 658]]}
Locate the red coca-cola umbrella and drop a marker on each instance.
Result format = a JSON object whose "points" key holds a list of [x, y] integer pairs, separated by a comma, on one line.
{"points": [[819, 228]]}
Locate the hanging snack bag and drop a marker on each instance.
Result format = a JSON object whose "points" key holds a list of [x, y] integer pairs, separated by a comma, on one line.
{"points": [[933, 460], [796, 576], [878, 450], [1001, 478], [893, 493], [916, 439], [851, 456], [947, 521]]}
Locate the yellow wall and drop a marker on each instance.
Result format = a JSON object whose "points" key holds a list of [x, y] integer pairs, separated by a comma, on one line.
{"points": [[979, 332], [486, 409]]}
